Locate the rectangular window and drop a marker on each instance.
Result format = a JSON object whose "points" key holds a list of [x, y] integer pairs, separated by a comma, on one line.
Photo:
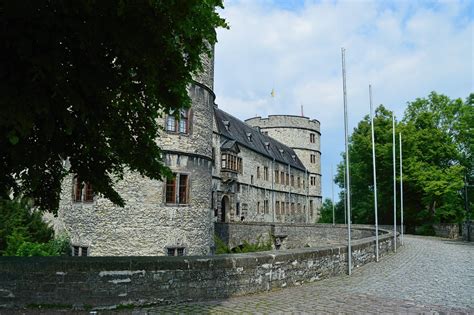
{"points": [[282, 178], [298, 181], [80, 251], [258, 172], [292, 208], [258, 207], [313, 158], [183, 189], [265, 173], [89, 193], [251, 179], [298, 207], [312, 138], [287, 178], [171, 123], [177, 189], [266, 208], [287, 208], [277, 207], [183, 121], [292, 181], [77, 190], [175, 251], [82, 191], [224, 161], [171, 190], [313, 180], [277, 178], [311, 207], [180, 125]]}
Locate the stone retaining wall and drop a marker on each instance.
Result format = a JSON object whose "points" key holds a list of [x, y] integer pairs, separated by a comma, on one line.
{"points": [[290, 235], [447, 230], [103, 282], [467, 230]]}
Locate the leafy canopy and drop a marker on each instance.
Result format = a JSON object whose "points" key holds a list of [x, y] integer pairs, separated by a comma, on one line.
{"points": [[438, 137], [85, 81]]}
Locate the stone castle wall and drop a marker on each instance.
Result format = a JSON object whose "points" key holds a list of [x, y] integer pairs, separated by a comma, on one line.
{"points": [[248, 193], [111, 281], [147, 225], [295, 131], [291, 235]]}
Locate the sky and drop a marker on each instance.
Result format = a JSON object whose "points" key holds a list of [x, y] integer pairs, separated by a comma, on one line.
{"points": [[404, 49]]}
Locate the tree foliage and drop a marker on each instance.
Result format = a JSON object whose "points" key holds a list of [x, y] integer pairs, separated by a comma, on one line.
{"points": [[437, 135], [85, 81], [326, 212], [24, 233]]}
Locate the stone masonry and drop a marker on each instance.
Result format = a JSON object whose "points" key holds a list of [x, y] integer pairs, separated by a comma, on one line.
{"points": [[267, 180]]}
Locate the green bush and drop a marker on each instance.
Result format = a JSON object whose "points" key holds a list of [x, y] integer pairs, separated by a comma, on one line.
{"points": [[24, 233], [426, 230], [246, 247], [221, 247]]}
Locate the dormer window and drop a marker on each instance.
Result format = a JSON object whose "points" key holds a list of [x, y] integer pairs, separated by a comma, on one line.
{"points": [[293, 157], [267, 145], [249, 136], [281, 151], [226, 124]]}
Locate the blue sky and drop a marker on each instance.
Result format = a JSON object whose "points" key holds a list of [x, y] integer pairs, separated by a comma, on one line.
{"points": [[405, 49]]}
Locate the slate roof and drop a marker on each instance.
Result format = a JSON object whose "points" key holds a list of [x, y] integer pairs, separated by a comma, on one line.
{"points": [[238, 131]]}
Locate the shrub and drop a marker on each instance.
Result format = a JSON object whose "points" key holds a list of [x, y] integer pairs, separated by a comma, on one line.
{"points": [[24, 233]]}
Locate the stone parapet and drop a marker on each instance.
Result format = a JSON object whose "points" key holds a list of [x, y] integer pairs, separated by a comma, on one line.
{"points": [[107, 282]]}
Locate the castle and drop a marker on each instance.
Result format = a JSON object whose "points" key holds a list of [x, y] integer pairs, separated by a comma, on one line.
{"points": [[226, 170]]}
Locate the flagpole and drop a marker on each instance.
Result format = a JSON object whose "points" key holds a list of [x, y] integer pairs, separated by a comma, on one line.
{"points": [[394, 187], [401, 188], [345, 198], [332, 190], [348, 188], [375, 178]]}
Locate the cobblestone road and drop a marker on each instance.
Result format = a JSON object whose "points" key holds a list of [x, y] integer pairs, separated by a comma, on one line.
{"points": [[427, 275]]}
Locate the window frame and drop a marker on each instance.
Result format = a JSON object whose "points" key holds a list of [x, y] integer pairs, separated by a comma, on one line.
{"points": [[176, 194], [82, 192], [181, 125]]}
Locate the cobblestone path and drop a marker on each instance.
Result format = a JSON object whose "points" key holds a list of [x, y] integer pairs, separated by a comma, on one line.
{"points": [[427, 275]]}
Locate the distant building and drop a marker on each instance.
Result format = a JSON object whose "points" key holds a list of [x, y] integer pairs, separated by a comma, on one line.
{"points": [[225, 170]]}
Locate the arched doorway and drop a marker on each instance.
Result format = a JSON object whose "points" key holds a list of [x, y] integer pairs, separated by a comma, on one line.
{"points": [[224, 208]]}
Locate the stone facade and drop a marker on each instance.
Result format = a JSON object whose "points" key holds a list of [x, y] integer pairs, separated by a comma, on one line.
{"points": [[176, 218], [303, 136]]}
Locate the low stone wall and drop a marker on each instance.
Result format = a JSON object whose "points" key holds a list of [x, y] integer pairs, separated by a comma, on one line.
{"points": [[290, 235], [103, 282], [390, 228], [447, 230], [467, 230]]}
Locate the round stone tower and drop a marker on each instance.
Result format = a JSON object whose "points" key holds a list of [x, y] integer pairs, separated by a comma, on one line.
{"points": [[169, 217], [303, 136]]}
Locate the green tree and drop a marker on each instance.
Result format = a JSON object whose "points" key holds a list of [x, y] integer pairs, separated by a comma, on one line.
{"points": [[326, 211], [360, 153], [437, 153], [20, 224], [85, 81]]}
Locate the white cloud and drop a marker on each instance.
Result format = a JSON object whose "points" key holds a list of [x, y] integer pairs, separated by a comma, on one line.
{"points": [[405, 49]]}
